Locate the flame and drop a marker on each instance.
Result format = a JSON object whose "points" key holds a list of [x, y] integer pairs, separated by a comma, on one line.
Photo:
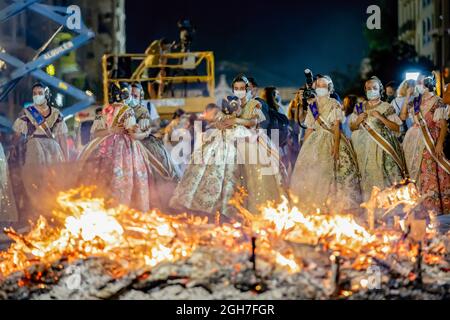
{"points": [[83, 226]]}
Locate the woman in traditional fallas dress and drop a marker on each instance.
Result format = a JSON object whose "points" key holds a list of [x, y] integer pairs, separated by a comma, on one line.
{"points": [[45, 132], [425, 157], [374, 124], [8, 210], [219, 168], [115, 161], [326, 175]]}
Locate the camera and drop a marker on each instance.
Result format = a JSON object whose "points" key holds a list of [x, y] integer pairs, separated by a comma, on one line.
{"points": [[309, 92]]}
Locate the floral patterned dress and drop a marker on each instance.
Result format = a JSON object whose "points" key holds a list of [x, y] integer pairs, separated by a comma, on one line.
{"points": [[317, 181], [162, 161], [432, 180], [377, 167], [117, 164], [221, 166]]}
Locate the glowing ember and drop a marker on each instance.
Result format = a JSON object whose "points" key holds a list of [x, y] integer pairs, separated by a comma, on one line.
{"points": [[84, 227]]}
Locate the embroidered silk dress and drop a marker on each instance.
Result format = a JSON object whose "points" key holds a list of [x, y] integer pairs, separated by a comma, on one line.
{"points": [[317, 180], [8, 210], [421, 165], [118, 164], [162, 162], [45, 153], [220, 166], [376, 166]]}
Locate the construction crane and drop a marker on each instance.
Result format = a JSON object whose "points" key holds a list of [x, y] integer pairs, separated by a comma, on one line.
{"points": [[44, 58], [189, 77]]}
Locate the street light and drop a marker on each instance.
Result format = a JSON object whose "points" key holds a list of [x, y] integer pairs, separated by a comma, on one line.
{"points": [[412, 75]]}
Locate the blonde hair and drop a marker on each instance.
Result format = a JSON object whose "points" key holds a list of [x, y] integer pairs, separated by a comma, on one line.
{"points": [[403, 87]]}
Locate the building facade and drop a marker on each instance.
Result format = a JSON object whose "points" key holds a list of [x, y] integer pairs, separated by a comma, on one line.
{"points": [[425, 24]]}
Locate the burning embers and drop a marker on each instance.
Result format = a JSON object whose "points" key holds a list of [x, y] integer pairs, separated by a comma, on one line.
{"points": [[332, 254]]}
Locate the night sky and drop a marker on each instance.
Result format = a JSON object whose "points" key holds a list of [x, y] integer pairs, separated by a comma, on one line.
{"points": [[271, 40]]}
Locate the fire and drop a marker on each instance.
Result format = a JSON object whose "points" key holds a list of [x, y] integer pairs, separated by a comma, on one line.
{"points": [[83, 226]]}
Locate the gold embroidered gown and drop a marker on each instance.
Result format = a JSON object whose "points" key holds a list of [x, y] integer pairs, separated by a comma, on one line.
{"points": [[43, 166], [376, 166], [8, 210], [220, 166], [317, 181]]}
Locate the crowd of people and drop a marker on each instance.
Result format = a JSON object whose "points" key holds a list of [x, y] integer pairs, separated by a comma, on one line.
{"points": [[318, 152]]}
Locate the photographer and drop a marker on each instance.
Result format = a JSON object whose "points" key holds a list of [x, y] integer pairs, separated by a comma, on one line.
{"points": [[326, 173], [296, 115], [264, 107]]}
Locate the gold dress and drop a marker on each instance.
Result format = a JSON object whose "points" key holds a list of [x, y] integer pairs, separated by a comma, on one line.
{"points": [[225, 161], [317, 180], [8, 210], [377, 167]]}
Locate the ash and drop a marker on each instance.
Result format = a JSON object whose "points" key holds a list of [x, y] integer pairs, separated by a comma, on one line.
{"points": [[216, 274]]}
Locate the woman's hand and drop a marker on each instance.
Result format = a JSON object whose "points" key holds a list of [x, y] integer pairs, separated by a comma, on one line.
{"points": [[409, 91], [362, 117], [335, 152], [377, 115], [227, 123], [312, 100], [439, 150]]}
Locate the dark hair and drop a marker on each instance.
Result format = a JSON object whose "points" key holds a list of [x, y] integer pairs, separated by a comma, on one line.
{"points": [[38, 85], [429, 81], [100, 109], [178, 113], [240, 78], [164, 41], [138, 86], [352, 101], [211, 106], [377, 80], [269, 94], [392, 84], [252, 81]]}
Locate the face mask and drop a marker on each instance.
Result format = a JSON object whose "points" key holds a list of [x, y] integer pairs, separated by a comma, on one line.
{"points": [[322, 92], [133, 102], [420, 89], [39, 99], [373, 94], [278, 99], [241, 94]]}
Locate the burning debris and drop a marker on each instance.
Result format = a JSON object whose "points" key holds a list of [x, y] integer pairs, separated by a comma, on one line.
{"points": [[87, 251]]}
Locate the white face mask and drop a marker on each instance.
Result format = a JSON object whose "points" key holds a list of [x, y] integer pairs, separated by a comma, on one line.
{"points": [[278, 99], [373, 94], [420, 89], [39, 99], [241, 94], [322, 92], [133, 102]]}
